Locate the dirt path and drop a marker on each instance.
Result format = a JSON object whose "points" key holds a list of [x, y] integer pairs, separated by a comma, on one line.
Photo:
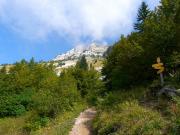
{"points": [[82, 124]]}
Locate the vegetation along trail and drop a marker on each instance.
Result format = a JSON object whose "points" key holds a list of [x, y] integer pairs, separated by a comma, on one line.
{"points": [[83, 123]]}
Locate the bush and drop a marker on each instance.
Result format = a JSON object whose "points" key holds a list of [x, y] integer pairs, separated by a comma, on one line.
{"points": [[111, 99], [117, 71], [35, 122], [11, 106], [175, 111], [30, 85], [129, 118], [56, 97]]}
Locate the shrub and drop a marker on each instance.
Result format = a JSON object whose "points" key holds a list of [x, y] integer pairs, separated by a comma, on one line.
{"points": [[117, 71], [35, 122], [129, 118], [111, 99], [56, 97], [175, 111], [11, 106]]}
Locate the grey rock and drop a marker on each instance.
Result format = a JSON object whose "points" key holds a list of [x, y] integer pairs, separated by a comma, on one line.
{"points": [[169, 91]]}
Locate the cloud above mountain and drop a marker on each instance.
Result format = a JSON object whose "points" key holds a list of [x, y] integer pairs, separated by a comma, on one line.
{"points": [[74, 19]]}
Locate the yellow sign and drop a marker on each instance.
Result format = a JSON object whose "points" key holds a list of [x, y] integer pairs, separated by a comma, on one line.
{"points": [[161, 70], [159, 66]]}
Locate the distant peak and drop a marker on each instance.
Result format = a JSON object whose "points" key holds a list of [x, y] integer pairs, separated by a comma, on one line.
{"points": [[92, 50]]}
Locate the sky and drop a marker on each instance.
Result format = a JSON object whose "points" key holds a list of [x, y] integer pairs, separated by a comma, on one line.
{"points": [[45, 28]]}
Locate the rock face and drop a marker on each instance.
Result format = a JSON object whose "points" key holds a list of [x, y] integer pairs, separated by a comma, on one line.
{"points": [[94, 54], [169, 91], [92, 50]]}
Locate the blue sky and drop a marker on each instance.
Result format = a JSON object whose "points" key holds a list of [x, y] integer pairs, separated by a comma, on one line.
{"points": [[45, 28]]}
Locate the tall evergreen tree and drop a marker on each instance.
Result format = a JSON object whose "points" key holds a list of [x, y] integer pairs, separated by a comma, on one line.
{"points": [[177, 21], [82, 63], [143, 13]]}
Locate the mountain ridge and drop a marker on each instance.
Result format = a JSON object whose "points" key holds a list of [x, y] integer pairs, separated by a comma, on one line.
{"points": [[94, 54], [92, 50]]}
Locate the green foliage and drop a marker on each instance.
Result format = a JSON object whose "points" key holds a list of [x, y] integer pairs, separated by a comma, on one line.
{"points": [[35, 122], [96, 87], [110, 100], [65, 121], [33, 86], [82, 63], [143, 13], [129, 118], [175, 111], [130, 60], [61, 97], [129, 64], [88, 83], [117, 68], [32, 124], [11, 106], [174, 70]]}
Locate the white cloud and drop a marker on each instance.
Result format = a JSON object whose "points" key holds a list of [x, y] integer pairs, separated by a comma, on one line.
{"points": [[96, 19]]}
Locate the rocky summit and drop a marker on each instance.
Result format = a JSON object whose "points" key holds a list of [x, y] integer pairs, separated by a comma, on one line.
{"points": [[93, 50], [94, 54]]}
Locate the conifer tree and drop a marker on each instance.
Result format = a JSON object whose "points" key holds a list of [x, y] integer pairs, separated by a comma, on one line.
{"points": [[82, 63], [143, 13]]}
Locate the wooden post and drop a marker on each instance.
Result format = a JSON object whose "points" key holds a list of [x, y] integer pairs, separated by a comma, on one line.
{"points": [[162, 79]]}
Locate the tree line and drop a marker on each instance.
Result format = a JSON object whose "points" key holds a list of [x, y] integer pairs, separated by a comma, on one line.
{"points": [[156, 34], [34, 87]]}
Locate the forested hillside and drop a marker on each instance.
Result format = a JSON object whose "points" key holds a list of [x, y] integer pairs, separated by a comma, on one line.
{"points": [[136, 102], [128, 95], [34, 94]]}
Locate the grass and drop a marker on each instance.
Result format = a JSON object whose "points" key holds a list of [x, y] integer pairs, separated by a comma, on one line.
{"points": [[129, 118], [114, 98], [137, 111], [61, 125], [12, 126]]}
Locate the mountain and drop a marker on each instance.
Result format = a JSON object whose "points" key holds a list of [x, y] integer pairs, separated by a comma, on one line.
{"points": [[94, 54], [93, 50]]}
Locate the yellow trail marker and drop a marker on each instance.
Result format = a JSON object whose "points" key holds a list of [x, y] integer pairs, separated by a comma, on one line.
{"points": [[161, 70], [157, 66], [160, 67]]}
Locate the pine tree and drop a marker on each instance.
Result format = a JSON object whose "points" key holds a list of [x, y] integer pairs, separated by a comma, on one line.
{"points": [[32, 62], [143, 13], [177, 21], [82, 63]]}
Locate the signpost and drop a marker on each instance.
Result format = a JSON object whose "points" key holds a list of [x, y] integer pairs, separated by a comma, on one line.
{"points": [[160, 67]]}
